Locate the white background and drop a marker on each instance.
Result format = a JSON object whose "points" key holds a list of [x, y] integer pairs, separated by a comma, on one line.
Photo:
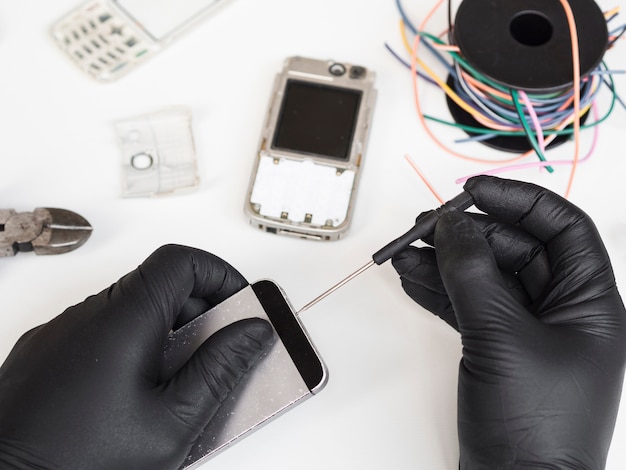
{"points": [[391, 398]]}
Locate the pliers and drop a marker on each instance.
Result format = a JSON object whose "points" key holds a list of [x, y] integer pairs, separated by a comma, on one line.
{"points": [[46, 231]]}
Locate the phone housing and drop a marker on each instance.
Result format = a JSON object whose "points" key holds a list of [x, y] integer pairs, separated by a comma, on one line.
{"points": [[107, 38], [311, 150], [289, 373]]}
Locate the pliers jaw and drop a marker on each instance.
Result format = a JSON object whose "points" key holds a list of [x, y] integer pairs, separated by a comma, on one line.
{"points": [[46, 231]]}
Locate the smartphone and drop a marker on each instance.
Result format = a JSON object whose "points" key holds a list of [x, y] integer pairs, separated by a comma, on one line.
{"points": [[289, 373], [107, 38], [311, 150]]}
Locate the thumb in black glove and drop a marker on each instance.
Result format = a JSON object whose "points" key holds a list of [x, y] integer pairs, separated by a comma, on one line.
{"points": [[530, 288], [82, 391]]}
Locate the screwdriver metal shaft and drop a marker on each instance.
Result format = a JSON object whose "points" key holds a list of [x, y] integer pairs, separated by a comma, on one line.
{"points": [[424, 225], [336, 286]]}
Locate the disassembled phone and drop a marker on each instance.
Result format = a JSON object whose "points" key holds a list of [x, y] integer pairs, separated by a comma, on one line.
{"points": [[307, 167], [290, 372], [106, 38]]}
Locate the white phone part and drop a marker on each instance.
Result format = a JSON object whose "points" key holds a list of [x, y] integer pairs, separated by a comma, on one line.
{"points": [[107, 38], [290, 372], [312, 147]]}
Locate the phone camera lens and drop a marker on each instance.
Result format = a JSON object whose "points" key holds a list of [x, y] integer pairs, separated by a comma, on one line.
{"points": [[337, 69], [357, 72]]}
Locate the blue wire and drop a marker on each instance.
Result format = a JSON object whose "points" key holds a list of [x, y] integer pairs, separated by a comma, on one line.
{"points": [[426, 43], [407, 65]]}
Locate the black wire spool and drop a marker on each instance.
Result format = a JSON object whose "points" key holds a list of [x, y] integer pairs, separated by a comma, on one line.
{"points": [[526, 45]]}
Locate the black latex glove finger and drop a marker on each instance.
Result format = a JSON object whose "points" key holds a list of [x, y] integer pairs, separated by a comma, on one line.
{"points": [[578, 258], [421, 281], [192, 308], [471, 276], [518, 254], [174, 281], [196, 392], [82, 391], [520, 257], [174, 277]]}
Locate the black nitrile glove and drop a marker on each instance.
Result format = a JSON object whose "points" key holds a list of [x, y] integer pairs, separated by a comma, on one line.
{"points": [[82, 391], [531, 290]]}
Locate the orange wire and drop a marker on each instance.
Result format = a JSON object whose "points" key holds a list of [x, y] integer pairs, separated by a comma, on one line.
{"points": [[576, 66], [424, 179]]}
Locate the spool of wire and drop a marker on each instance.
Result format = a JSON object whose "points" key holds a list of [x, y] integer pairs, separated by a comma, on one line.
{"points": [[516, 66], [519, 79]]}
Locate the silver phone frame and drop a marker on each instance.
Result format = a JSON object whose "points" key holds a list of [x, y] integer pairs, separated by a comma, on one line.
{"points": [[278, 390], [316, 72]]}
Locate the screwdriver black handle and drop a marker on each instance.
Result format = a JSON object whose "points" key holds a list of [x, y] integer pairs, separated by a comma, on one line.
{"points": [[423, 226]]}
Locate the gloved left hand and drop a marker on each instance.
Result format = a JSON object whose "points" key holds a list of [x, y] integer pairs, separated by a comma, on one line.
{"points": [[82, 391]]}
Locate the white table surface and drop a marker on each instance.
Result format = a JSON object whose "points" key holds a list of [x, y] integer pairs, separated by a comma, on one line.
{"points": [[391, 398]]}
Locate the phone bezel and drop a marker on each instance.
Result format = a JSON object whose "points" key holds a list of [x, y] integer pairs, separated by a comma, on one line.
{"points": [[318, 72]]}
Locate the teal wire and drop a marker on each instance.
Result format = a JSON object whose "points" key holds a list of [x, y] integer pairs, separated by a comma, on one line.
{"points": [[530, 134]]}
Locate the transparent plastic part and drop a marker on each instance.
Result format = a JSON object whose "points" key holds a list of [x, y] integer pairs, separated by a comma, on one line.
{"points": [[107, 38], [158, 153]]}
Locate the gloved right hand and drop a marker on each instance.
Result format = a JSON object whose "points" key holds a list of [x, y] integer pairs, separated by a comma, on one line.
{"points": [[530, 288]]}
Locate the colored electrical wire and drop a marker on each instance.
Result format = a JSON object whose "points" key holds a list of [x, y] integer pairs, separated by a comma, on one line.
{"points": [[424, 179], [502, 111], [540, 164], [535, 138], [576, 69]]}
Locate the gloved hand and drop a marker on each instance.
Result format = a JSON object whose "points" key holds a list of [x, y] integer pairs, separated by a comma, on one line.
{"points": [[530, 288], [82, 391]]}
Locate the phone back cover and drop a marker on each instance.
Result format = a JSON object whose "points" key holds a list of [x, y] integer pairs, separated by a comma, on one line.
{"points": [[271, 387]]}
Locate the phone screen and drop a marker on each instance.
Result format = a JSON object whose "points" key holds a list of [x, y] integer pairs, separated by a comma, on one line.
{"points": [[317, 119], [161, 18], [290, 372]]}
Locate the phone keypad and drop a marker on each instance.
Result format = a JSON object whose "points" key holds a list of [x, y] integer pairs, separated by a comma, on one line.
{"points": [[102, 42]]}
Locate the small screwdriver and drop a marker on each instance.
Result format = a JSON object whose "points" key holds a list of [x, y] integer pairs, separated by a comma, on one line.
{"points": [[423, 226]]}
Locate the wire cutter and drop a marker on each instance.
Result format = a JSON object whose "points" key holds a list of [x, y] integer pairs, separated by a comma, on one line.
{"points": [[46, 231]]}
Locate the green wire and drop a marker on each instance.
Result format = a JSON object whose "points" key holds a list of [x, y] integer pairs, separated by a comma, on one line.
{"points": [[529, 132]]}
